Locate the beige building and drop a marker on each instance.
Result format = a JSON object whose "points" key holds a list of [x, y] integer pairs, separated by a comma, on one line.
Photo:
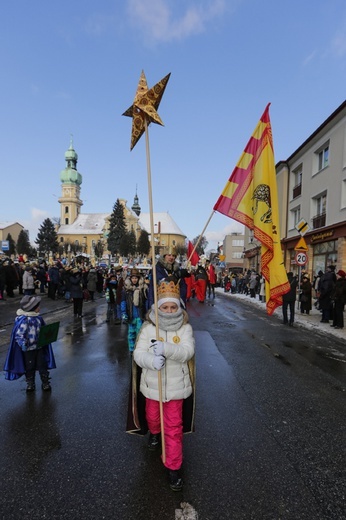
{"points": [[12, 228], [233, 251], [312, 187], [312, 198], [86, 231]]}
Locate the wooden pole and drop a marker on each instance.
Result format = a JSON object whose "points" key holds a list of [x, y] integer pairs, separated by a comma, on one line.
{"points": [[200, 236], [151, 212]]}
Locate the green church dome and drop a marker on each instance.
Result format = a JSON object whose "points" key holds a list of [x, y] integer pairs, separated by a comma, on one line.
{"points": [[70, 173]]}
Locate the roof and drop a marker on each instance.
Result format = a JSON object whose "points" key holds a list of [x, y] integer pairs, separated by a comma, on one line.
{"points": [[4, 225], [85, 224], [167, 224]]}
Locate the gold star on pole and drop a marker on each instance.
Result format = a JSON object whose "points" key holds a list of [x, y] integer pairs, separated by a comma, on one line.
{"points": [[145, 107]]}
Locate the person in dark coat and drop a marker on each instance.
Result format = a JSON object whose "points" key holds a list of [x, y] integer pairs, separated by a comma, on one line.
{"points": [[326, 288], [92, 282], [2, 280], [305, 296], [289, 300], [76, 281], [53, 282], [339, 299], [11, 278], [42, 278], [166, 267]]}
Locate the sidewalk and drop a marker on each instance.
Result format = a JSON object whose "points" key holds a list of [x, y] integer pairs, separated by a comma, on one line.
{"points": [[311, 321]]}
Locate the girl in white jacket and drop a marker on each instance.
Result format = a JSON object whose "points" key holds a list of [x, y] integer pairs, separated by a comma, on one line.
{"points": [[170, 354]]}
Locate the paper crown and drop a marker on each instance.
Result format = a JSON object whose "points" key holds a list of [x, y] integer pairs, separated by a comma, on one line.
{"points": [[168, 289]]}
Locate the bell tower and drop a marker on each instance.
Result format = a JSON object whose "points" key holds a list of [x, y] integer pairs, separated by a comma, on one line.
{"points": [[70, 202]]}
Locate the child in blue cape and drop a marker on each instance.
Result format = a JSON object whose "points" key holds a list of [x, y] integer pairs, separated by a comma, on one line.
{"points": [[24, 356]]}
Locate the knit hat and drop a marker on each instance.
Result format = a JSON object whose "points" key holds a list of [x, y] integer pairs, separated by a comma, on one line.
{"points": [[168, 291], [341, 273], [331, 267], [29, 303]]}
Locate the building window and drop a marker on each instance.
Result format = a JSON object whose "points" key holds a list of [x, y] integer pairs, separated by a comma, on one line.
{"points": [[61, 239], [320, 206], [343, 194], [297, 188], [66, 209], [237, 255], [66, 220], [173, 242], [295, 216], [237, 243], [322, 155]]}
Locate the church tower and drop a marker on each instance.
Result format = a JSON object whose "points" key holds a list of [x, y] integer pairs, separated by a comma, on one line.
{"points": [[70, 202], [135, 206]]}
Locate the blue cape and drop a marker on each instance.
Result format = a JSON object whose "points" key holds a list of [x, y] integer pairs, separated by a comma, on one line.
{"points": [[14, 365]]}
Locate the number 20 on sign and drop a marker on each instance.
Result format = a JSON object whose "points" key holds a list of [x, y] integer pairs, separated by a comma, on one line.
{"points": [[301, 258]]}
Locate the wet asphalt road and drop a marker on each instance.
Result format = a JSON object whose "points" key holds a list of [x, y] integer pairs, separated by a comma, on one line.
{"points": [[270, 425]]}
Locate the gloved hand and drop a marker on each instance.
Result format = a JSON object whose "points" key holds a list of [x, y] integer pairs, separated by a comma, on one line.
{"points": [[159, 348], [159, 362]]}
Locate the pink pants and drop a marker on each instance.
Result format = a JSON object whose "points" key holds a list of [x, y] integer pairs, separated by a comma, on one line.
{"points": [[173, 425]]}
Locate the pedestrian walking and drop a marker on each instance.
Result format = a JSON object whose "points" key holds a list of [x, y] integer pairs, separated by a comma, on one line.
{"points": [[28, 281], [338, 298], [111, 297], [326, 288], [289, 300], [24, 355], [305, 296], [92, 282], [76, 282]]}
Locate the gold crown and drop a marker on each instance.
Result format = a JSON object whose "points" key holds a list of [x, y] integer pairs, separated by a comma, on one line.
{"points": [[168, 289]]}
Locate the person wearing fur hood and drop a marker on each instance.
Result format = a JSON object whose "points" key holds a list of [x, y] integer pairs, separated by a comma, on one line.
{"points": [[173, 355], [167, 266], [133, 306]]}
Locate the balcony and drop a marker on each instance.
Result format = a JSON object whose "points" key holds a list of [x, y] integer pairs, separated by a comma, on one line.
{"points": [[319, 221], [297, 190]]}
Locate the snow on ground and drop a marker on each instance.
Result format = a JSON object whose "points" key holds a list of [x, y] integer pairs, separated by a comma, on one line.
{"points": [[309, 321]]}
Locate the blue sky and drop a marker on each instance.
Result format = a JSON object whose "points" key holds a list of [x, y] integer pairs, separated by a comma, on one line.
{"points": [[73, 68]]}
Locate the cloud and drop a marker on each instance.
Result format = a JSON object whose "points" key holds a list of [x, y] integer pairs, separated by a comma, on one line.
{"points": [[339, 44], [159, 21], [35, 222], [214, 237], [309, 58]]}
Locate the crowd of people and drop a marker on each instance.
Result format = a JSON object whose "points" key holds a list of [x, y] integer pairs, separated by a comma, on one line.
{"points": [[166, 347], [160, 339]]}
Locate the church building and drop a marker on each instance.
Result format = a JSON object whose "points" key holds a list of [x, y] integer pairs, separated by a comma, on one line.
{"points": [[86, 230]]}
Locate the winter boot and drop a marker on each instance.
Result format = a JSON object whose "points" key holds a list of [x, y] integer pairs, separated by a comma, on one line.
{"points": [[45, 382], [175, 481], [30, 384], [154, 441]]}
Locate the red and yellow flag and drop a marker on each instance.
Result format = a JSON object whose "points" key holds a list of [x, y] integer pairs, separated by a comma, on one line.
{"points": [[250, 197]]}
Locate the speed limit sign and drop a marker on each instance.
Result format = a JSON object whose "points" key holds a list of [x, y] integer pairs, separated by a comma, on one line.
{"points": [[301, 258]]}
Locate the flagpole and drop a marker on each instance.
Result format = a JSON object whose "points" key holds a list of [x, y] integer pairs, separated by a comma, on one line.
{"points": [[200, 236], [154, 277]]}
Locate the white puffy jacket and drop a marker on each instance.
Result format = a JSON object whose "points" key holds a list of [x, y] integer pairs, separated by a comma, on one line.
{"points": [[176, 383]]}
